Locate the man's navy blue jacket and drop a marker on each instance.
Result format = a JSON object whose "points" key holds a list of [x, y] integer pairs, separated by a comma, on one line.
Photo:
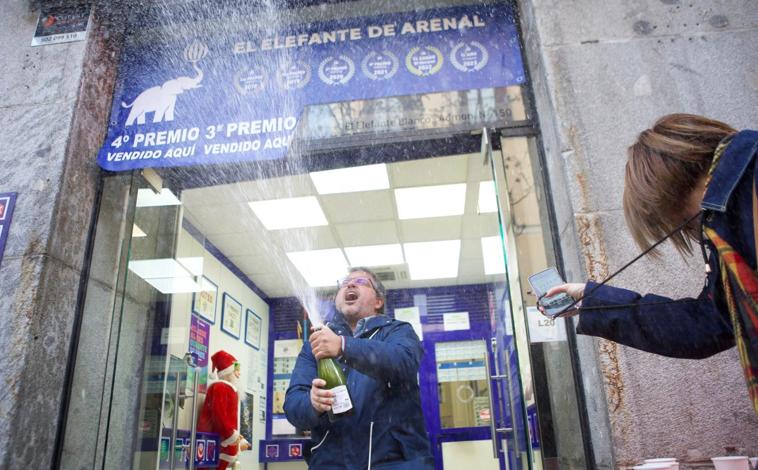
{"points": [[382, 376], [688, 328]]}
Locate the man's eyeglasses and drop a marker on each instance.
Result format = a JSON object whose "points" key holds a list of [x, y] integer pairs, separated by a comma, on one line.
{"points": [[358, 281], [237, 366]]}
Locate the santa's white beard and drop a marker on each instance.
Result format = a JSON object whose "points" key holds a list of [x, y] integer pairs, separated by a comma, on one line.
{"points": [[234, 380]]}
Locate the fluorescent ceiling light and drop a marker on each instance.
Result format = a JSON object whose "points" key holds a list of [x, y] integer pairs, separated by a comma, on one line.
{"points": [[158, 268], [291, 212], [431, 201], [147, 198], [433, 260], [174, 285], [137, 232], [492, 253], [193, 264], [375, 255], [487, 199], [350, 180], [320, 268], [168, 275]]}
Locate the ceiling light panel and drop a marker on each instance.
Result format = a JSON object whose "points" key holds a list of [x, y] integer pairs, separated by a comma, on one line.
{"points": [[292, 212], [375, 255], [430, 201], [487, 200], [350, 180], [148, 198], [433, 260], [492, 252], [158, 268], [175, 285], [320, 268], [193, 264], [137, 232]]}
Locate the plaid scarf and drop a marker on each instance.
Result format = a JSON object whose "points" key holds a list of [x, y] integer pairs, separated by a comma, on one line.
{"points": [[741, 291], [740, 285]]}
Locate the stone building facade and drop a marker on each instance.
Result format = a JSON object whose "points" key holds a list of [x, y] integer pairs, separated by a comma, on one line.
{"points": [[600, 72]]}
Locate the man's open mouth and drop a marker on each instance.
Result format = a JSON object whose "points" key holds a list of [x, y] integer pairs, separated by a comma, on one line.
{"points": [[351, 296]]}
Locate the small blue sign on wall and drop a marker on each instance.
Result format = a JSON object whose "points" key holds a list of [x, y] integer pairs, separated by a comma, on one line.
{"points": [[7, 203]]}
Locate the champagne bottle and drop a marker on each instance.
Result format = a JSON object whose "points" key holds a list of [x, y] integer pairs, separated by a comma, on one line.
{"points": [[330, 371]]}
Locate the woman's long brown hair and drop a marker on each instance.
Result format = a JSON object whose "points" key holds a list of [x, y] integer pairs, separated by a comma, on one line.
{"points": [[665, 165]]}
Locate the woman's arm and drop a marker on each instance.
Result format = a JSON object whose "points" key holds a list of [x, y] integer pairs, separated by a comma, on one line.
{"points": [[686, 328]]}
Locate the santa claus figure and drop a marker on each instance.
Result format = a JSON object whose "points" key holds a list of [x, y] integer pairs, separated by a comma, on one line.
{"points": [[221, 409]]}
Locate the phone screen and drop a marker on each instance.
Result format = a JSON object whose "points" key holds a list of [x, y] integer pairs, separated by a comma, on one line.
{"points": [[542, 282]]}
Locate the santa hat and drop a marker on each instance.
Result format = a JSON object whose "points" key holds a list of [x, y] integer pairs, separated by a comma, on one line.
{"points": [[223, 363]]}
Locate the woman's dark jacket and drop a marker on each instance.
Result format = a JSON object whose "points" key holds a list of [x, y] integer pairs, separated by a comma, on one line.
{"points": [[382, 376], [688, 328]]}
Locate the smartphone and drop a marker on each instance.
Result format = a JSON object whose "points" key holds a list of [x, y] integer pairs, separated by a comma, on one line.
{"points": [[542, 282]]}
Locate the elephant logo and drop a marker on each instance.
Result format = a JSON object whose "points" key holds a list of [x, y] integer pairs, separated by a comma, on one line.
{"points": [[161, 100]]}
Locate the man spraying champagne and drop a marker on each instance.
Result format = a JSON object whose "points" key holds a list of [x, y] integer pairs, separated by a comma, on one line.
{"points": [[367, 414]]}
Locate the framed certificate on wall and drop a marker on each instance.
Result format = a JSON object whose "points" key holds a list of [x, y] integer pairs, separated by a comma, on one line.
{"points": [[253, 329], [231, 316], [204, 302]]}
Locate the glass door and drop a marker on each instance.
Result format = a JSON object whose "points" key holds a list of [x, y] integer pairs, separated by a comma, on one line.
{"points": [[158, 353], [227, 260], [533, 369]]}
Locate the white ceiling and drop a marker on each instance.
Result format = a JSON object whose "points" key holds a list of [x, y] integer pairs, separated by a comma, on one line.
{"points": [[223, 215]]}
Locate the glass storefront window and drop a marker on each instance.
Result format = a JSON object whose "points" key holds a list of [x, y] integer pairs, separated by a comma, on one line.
{"points": [[212, 258]]}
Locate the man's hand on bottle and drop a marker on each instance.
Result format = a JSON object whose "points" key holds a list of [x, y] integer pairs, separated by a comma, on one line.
{"points": [[321, 399], [325, 343]]}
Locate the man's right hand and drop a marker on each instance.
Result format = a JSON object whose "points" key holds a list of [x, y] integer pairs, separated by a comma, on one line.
{"points": [[321, 399]]}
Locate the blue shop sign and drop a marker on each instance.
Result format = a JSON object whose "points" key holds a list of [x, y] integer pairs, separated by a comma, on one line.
{"points": [[207, 99]]}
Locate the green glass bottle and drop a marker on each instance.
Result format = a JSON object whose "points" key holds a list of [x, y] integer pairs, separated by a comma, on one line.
{"points": [[330, 371]]}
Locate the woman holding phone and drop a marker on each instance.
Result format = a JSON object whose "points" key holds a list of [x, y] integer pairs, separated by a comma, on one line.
{"points": [[697, 174]]}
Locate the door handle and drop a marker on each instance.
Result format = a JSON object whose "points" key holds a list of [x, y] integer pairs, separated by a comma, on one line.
{"points": [[189, 358], [493, 427], [174, 423], [508, 392]]}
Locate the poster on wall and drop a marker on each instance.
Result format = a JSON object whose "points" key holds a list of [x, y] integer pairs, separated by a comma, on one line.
{"points": [[7, 203], [411, 315], [204, 302], [206, 98], [253, 329], [247, 416], [456, 321], [200, 332], [231, 316]]}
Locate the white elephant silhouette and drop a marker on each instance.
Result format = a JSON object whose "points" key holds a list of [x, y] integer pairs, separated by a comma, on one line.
{"points": [[161, 100]]}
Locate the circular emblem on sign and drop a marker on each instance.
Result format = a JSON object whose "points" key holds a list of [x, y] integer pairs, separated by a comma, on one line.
{"points": [[336, 70], [380, 65], [250, 80], [424, 61], [293, 75], [469, 56]]}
